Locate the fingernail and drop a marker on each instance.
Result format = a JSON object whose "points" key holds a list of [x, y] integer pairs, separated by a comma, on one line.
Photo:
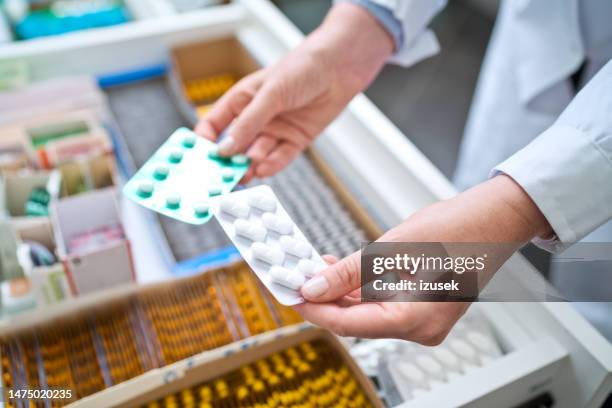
{"points": [[226, 145], [315, 287]]}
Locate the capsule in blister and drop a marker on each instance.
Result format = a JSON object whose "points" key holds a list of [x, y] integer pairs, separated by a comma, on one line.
{"points": [[261, 201], [250, 230], [235, 208], [277, 223], [286, 277], [267, 253], [295, 247]]}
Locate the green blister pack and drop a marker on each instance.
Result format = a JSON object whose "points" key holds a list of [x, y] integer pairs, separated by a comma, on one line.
{"points": [[181, 176]]}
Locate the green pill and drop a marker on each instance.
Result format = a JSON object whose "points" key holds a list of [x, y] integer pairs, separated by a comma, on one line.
{"points": [[201, 209], [145, 188], [189, 140], [161, 172], [175, 156], [213, 153], [240, 159], [173, 201], [227, 174], [214, 190]]}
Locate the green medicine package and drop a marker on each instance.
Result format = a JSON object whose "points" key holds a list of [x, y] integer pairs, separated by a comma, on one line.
{"points": [[181, 176]]}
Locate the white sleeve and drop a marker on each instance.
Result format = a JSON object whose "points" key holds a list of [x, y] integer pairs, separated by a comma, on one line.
{"points": [[567, 170], [415, 15], [415, 41]]}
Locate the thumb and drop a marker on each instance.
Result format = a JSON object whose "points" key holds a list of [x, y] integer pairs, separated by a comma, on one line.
{"points": [[255, 116], [336, 281]]}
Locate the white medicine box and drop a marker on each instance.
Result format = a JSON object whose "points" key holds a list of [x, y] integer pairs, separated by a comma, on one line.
{"points": [[91, 241]]}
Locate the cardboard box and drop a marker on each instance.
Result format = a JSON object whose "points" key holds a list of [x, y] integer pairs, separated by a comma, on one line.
{"points": [[87, 174], [226, 56], [212, 364], [17, 187], [60, 138], [105, 265], [49, 282]]}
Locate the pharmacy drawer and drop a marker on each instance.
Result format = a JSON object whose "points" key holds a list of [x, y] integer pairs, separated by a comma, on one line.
{"points": [[551, 349]]}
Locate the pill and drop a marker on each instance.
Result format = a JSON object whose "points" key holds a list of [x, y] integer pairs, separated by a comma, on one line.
{"points": [[309, 268], [412, 373], [227, 174], [240, 159], [214, 190], [447, 358], [483, 343], [145, 188], [286, 277], [201, 209], [268, 254], [464, 350], [234, 207], [213, 153], [431, 366], [175, 156], [161, 172], [250, 230], [261, 201], [295, 247], [189, 140], [276, 223], [173, 201]]}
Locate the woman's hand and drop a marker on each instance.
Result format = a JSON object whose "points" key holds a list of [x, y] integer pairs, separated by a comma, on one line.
{"points": [[275, 113], [497, 211]]}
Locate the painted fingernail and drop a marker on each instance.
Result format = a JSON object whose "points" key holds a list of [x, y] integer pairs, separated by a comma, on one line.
{"points": [[226, 146], [315, 287]]}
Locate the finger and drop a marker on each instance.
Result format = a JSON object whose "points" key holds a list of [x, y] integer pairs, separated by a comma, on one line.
{"points": [[253, 118], [205, 129], [359, 320], [248, 176], [336, 281], [261, 148], [278, 159], [226, 108], [330, 259]]}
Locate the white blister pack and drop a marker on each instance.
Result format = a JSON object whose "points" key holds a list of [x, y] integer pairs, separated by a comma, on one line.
{"points": [[268, 240]]}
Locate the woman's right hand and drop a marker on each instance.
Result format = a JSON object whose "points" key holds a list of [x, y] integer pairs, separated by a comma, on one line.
{"points": [[275, 113]]}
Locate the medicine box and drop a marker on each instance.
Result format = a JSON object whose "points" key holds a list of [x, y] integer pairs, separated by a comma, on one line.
{"points": [[18, 190], [87, 174], [91, 242], [49, 282], [203, 71], [59, 138], [212, 365]]}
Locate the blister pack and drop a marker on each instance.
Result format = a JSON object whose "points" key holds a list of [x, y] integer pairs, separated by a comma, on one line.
{"points": [[268, 240], [179, 179]]}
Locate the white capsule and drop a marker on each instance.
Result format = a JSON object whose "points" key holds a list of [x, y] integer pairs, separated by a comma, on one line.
{"points": [[483, 343], [413, 374], [286, 277], [234, 207], [309, 268], [250, 230], [431, 367], [295, 247], [275, 223], [465, 351], [266, 253], [447, 358], [261, 201]]}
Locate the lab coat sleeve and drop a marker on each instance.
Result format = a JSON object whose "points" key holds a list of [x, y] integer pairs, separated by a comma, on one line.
{"points": [[406, 21], [567, 170]]}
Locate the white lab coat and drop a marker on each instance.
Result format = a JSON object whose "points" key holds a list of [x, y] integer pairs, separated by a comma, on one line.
{"points": [[526, 116]]}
